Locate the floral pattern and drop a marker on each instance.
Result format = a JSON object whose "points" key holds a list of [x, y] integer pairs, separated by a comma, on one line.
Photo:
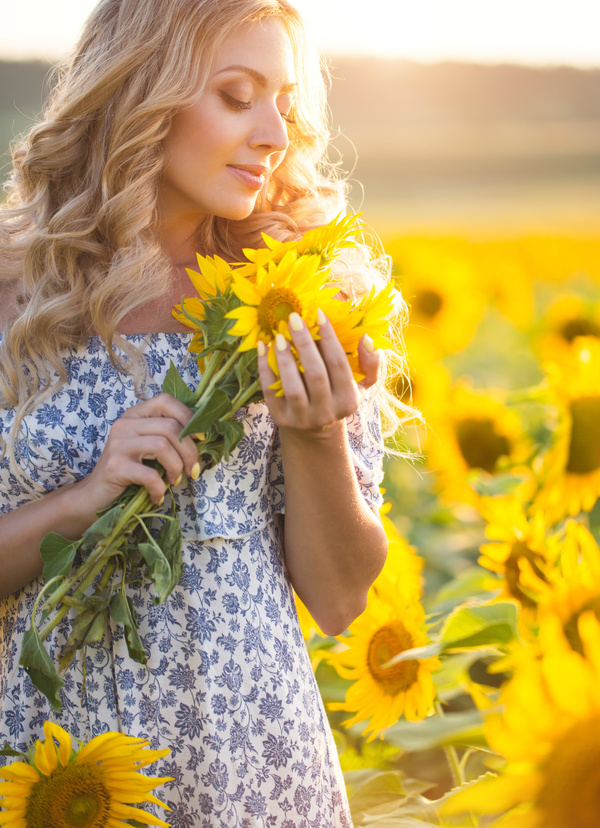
{"points": [[228, 685]]}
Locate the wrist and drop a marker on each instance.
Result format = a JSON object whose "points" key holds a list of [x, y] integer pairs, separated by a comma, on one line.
{"points": [[75, 509]]}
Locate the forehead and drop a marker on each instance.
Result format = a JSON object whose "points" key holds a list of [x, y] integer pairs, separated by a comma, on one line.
{"points": [[263, 47]]}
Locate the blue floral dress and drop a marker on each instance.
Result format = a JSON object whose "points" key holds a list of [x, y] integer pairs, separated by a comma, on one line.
{"points": [[228, 685]]}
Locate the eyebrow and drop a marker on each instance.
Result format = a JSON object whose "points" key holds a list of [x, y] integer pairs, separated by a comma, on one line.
{"points": [[257, 76]]}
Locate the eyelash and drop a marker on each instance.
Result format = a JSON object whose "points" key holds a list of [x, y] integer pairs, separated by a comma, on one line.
{"points": [[240, 106]]}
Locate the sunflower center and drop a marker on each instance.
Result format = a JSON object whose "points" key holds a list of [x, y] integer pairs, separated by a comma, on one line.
{"points": [[275, 307], [518, 552], [429, 303], [584, 450], [570, 793], [480, 444], [72, 797], [388, 641], [578, 326], [571, 628]]}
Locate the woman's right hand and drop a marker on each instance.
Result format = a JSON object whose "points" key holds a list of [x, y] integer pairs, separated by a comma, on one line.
{"points": [[147, 431]]}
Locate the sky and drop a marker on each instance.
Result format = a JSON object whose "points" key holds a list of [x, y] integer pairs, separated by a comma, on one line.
{"points": [[538, 32]]}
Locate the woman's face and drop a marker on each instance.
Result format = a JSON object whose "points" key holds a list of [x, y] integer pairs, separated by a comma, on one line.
{"points": [[220, 150]]}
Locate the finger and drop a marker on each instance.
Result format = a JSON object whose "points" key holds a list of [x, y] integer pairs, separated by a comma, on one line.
{"points": [[150, 447], [294, 390], [169, 428], [315, 375], [336, 361], [369, 361], [163, 405]]}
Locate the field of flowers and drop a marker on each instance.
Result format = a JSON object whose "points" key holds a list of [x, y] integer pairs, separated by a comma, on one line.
{"points": [[477, 662]]}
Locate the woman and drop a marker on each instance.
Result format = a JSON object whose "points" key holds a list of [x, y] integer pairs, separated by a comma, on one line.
{"points": [[182, 126]]}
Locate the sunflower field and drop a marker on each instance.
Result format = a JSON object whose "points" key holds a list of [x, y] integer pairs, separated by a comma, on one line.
{"points": [[468, 693]]}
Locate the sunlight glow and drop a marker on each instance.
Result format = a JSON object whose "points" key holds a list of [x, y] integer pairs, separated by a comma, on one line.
{"points": [[534, 32]]}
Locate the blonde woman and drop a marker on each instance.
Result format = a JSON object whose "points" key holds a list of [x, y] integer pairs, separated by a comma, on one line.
{"points": [[181, 126]]}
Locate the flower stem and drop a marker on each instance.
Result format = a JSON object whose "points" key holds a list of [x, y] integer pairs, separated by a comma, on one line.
{"points": [[451, 755], [224, 369], [212, 363]]}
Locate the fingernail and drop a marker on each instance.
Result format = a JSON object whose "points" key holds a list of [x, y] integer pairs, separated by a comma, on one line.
{"points": [[321, 318], [195, 472], [261, 348], [280, 342], [161, 501], [295, 321], [368, 343], [200, 435], [178, 481]]}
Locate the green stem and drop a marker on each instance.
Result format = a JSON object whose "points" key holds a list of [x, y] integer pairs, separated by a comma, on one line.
{"points": [[231, 359], [88, 571], [211, 364], [241, 398]]}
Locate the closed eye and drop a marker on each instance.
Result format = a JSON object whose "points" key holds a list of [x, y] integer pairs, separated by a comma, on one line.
{"points": [[234, 103]]}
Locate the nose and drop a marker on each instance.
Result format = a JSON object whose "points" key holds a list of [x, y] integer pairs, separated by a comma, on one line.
{"points": [[270, 131]]}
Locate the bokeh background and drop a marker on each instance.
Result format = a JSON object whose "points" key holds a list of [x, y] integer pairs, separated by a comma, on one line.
{"points": [[470, 133]]}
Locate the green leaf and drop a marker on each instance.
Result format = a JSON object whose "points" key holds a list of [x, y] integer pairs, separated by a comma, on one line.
{"points": [[175, 386], [58, 554], [159, 569], [87, 628], [491, 624], [8, 751], [101, 528], [468, 584], [40, 668], [170, 540], [208, 413], [122, 611], [454, 728], [233, 433]]}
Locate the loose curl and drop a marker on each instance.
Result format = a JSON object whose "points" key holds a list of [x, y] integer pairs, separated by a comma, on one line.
{"points": [[80, 256]]}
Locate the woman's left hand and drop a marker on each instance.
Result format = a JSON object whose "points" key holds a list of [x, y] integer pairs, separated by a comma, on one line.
{"points": [[325, 391]]}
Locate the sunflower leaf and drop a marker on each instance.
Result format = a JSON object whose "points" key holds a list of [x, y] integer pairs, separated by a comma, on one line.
{"points": [[159, 569], [122, 611], [170, 540], [40, 668], [480, 625], [58, 554], [233, 433], [175, 386], [208, 413], [101, 528]]}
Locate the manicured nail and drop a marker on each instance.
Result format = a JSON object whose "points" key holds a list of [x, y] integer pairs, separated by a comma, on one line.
{"points": [[261, 348], [321, 318], [161, 501], [280, 342], [178, 481], [195, 472], [200, 435], [368, 343], [295, 321]]}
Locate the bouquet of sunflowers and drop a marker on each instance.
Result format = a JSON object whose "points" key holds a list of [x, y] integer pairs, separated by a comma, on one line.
{"points": [[237, 306]]}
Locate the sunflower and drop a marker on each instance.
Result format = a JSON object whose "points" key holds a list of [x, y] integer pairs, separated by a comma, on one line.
{"points": [[549, 733], [93, 787], [323, 242], [441, 285], [293, 284], [212, 279], [474, 433], [570, 472], [517, 539], [568, 317], [390, 624], [570, 587], [428, 380]]}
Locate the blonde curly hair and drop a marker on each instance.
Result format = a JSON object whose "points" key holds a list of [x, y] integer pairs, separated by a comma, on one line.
{"points": [[80, 256]]}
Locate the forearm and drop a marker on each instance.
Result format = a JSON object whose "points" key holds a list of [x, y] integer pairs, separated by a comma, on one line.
{"points": [[334, 543], [22, 531]]}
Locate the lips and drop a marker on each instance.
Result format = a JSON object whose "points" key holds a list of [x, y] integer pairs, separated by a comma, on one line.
{"points": [[253, 175]]}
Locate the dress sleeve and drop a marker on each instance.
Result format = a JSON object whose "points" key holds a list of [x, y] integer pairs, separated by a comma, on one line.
{"points": [[366, 446]]}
